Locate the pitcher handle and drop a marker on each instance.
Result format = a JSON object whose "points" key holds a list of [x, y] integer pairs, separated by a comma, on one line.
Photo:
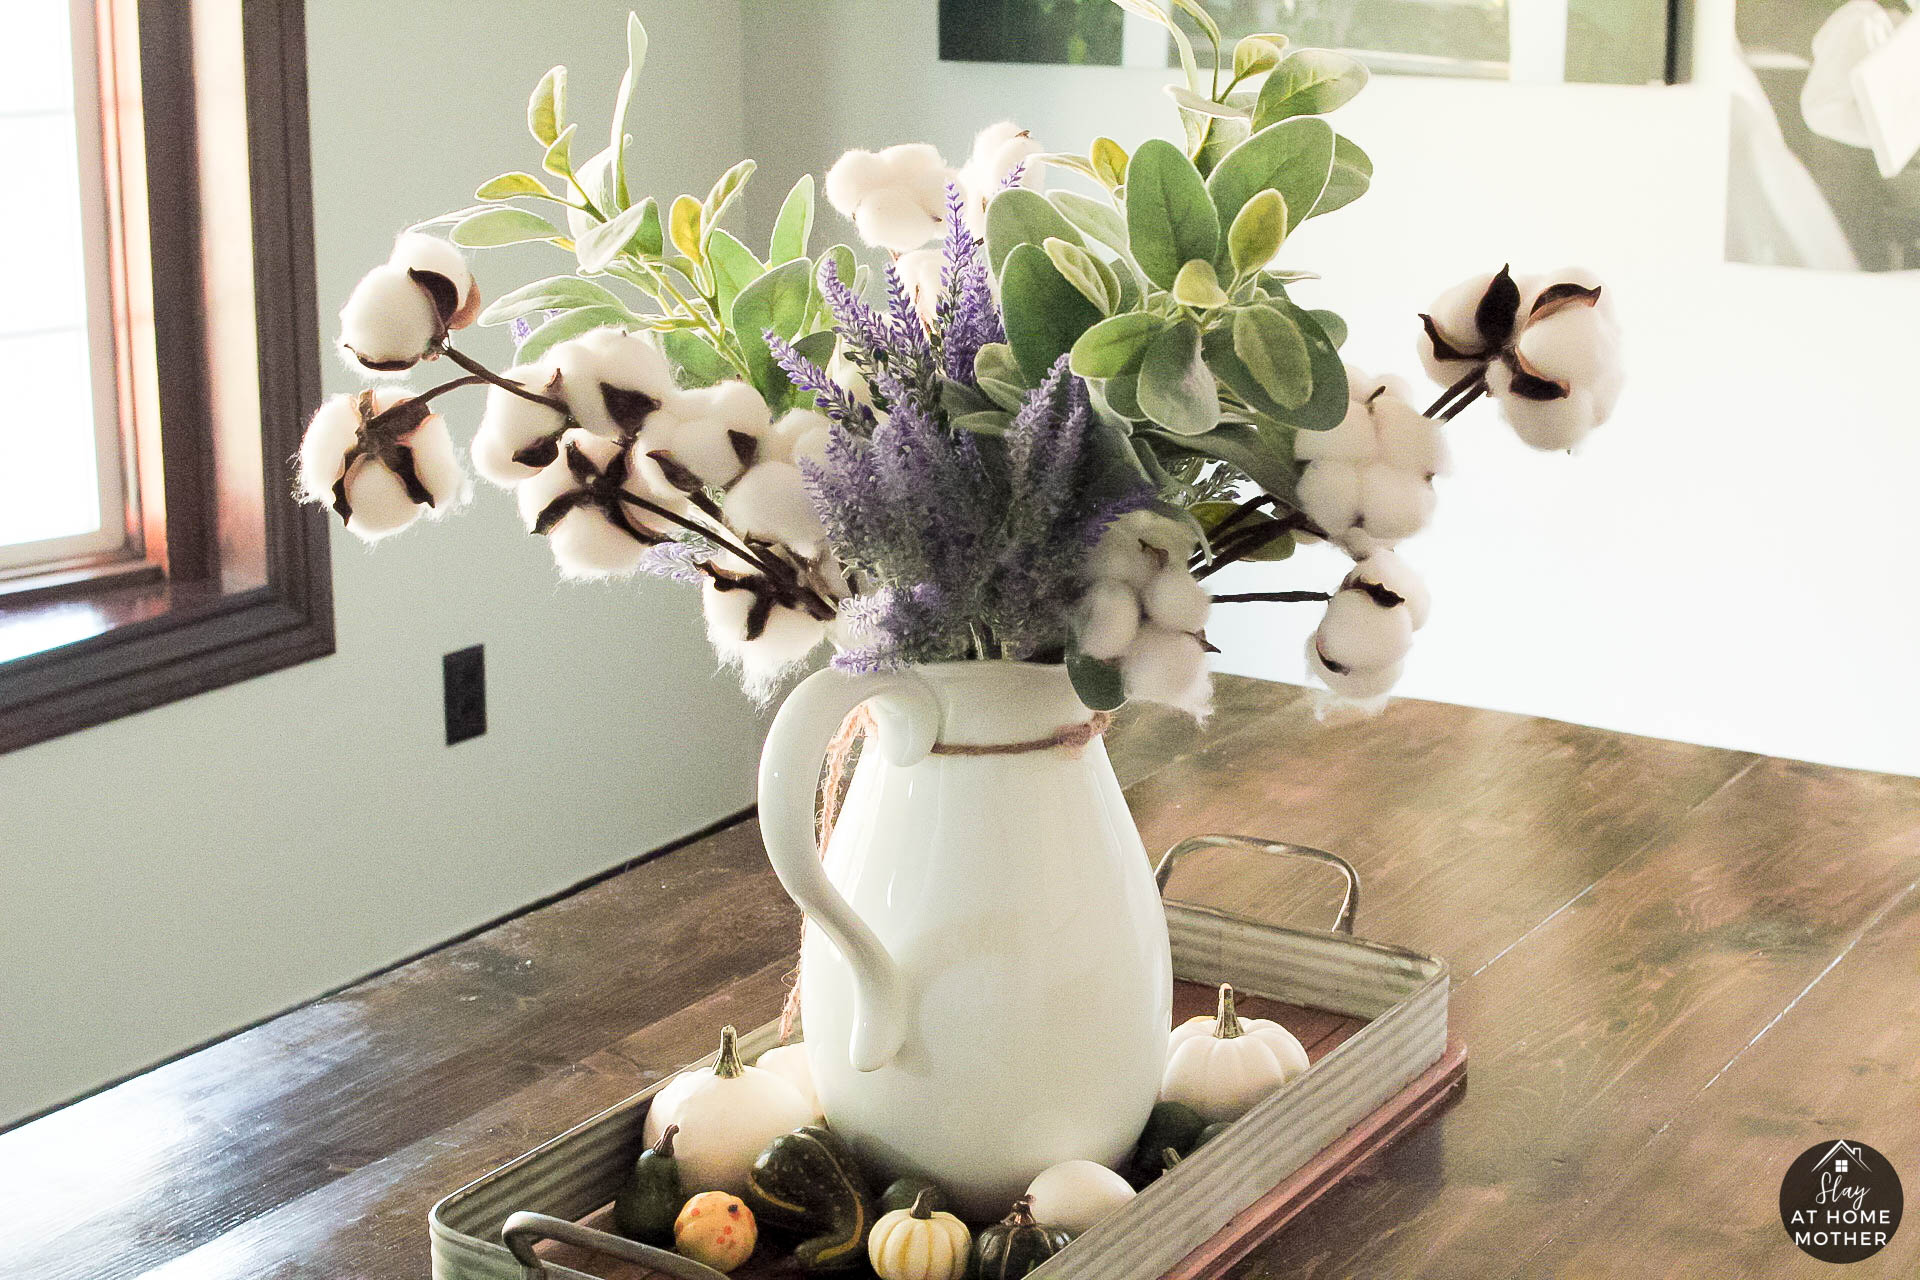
{"points": [[909, 723]]}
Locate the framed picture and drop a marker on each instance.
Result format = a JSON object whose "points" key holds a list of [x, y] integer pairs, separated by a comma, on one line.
{"points": [[1821, 170], [1593, 41]]}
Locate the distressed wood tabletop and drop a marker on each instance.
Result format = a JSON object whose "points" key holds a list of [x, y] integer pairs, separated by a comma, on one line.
{"points": [[1675, 968]]}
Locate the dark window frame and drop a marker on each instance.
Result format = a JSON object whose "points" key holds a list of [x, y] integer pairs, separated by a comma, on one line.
{"points": [[186, 634]]}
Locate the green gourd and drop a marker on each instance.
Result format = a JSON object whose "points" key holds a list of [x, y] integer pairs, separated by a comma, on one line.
{"points": [[1017, 1245], [1211, 1132], [1172, 1125], [808, 1182], [650, 1198], [901, 1193]]}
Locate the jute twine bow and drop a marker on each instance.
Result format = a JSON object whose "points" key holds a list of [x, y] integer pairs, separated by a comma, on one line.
{"points": [[860, 724]]}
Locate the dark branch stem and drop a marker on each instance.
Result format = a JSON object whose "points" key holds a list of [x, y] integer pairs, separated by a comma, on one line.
{"points": [[1277, 597], [772, 568], [456, 384], [1241, 548], [1476, 376], [1473, 393], [485, 374]]}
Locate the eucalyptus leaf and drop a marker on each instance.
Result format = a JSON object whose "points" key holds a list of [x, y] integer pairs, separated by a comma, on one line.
{"points": [[1255, 55], [700, 365], [1170, 219], [559, 158], [1200, 104], [1081, 271], [1177, 390], [1115, 345], [1257, 232], [1262, 457], [491, 228], [1005, 394], [1269, 342], [1328, 404], [618, 138], [1352, 175], [555, 293], [1095, 218], [1309, 82], [1097, 683], [1044, 314], [1109, 161], [603, 244], [1154, 13], [1222, 137], [684, 227], [509, 185], [547, 108], [1065, 160], [995, 360], [725, 191], [985, 422], [794, 225], [1198, 286], [1293, 157], [734, 268], [1232, 371], [570, 324], [1194, 10], [649, 240], [1332, 325], [1020, 216], [777, 301]]}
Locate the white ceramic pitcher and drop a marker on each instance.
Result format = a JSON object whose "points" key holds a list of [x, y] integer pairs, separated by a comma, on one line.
{"points": [[985, 979]]}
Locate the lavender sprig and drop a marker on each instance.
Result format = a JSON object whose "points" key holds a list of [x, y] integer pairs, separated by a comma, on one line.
{"points": [[832, 398], [965, 316]]}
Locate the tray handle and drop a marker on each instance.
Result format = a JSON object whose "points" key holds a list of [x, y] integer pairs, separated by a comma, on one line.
{"points": [[524, 1230], [1349, 903]]}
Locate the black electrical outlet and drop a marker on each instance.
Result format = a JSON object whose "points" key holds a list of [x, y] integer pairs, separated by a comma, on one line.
{"points": [[464, 674]]}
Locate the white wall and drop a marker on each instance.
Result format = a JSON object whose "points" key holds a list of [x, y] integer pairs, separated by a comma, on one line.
{"points": [[179, 873], [1729, 561]]}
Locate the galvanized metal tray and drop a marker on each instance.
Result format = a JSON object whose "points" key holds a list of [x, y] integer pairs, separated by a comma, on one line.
{"points": [[1385, 1066]]}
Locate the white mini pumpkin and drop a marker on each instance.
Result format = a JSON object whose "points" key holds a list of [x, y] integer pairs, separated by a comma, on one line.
{"points": [[1075, 1194], [919, 1243], [1221, 1066], [789, 1062], [727, 1116]]}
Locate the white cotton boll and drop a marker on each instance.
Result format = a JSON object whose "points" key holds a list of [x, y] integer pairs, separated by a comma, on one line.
{"points": [[898, 219], [997, 151], [787, 638], [1351, 440], [1169, 667], [379, 501], [388, 321], [846, 375], [770, 501], [1173, 599], [1453, 313], [919, 274], [1330, 495], [1409, 439], [1360, 633], [437, 463], [799, 435], [1109, 620], [1360, 684], [609, 357], [509, 423], [323, 449], [1548, 425], [851, 178], [1386, 569], [1138, 545], [1577, 347], [417, 251], [1394, 504], [585, 543], [698, 427]]}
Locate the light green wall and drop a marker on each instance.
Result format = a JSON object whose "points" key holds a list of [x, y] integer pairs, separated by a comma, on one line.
{"points": [[182, 872]]}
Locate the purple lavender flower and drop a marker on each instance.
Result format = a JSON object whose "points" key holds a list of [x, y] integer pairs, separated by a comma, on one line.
{"points": [[830, 396], [965, 317]]}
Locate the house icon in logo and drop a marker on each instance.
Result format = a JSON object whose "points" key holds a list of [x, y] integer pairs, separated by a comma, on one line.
{"points": [[1844, 1155]]}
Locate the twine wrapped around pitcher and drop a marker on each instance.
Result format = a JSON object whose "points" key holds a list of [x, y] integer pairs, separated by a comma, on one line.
{"points": [[858, 725]]}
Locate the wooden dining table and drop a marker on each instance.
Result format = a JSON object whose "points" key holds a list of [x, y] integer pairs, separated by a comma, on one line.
{"points": [[1675, 968]]}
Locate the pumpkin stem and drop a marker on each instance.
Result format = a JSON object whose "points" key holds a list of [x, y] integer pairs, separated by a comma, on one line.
{"points": [[923, 1204], [1226, 1024], [728, 1066], [1022, 1215], [664, 1147], [1169, 1158]]}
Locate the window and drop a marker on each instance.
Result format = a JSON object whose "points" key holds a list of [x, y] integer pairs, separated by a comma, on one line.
{"points": [[149, 546]]}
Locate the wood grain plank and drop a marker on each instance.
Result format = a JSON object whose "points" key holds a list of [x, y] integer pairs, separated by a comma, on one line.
{"points": [[1843, 1061], [1607, 1022]]}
